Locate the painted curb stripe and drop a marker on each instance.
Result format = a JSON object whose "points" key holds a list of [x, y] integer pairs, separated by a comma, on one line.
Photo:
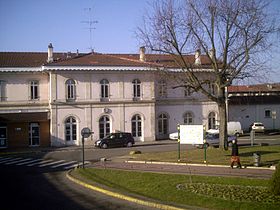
{"points": [[121, 196]]}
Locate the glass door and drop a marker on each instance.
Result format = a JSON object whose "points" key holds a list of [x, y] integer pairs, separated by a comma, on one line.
{"points": [[34, 134], [3, 136]]}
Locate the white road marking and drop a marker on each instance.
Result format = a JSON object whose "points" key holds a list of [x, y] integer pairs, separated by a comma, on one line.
{"points": [[9, 160], [52, 163], [28, 162], [18, 161], [63, 164], [43, 161]]}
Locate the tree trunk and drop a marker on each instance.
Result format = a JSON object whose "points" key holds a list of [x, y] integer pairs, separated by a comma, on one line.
{"points": [[223, 120]]}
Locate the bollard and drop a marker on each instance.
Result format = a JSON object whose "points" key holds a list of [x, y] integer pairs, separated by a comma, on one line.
{"points": [[257, 159]]}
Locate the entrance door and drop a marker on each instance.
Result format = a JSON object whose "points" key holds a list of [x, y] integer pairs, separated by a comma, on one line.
{"points": [[3, 136], [34, 134]]}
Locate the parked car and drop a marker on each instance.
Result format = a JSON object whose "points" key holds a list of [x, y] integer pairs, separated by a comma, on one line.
{"points": [[120, 139], [234, 128], [258, 127], [173, 136], [212, 139]]}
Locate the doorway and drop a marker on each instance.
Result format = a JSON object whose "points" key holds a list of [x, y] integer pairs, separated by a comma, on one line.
{"points": [[34, 134]]}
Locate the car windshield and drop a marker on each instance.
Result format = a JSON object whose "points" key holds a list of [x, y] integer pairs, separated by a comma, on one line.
{"points": [[212, 135], [258, 124]]}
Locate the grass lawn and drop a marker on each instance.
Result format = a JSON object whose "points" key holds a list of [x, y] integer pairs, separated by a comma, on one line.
{"points": [[200, 191], [270, 155]]}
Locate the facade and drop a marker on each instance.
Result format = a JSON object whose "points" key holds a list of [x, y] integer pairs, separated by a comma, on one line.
{"points": [[255, 103], [47, 98]]}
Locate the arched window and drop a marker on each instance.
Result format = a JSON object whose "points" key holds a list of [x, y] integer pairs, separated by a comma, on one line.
{"points": [[136, 126], [162, 88], [136, 88], [163, 124], [104, 85], [212, 120], [104, 126], [70, 89], [70, 129], [188, 118]]}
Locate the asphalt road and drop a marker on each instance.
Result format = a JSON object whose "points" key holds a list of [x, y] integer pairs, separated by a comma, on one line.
{"points": [[30, 188], [34, 188]]}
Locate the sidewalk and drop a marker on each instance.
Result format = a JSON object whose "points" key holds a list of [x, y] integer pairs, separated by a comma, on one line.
{"points": [[124, 163]]}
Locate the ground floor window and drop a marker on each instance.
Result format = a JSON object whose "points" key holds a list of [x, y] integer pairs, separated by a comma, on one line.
{"points": [[188, 118], [71, 129], [3, 135], [104, 126], [136, 125], [34, 134], [163, 124], [212, 120]]}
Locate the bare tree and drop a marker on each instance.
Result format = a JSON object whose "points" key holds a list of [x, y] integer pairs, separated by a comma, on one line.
{"points": [[230, 34]]}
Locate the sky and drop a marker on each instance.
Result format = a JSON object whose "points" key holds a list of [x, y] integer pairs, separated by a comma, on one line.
{"points": [[30, 25]]}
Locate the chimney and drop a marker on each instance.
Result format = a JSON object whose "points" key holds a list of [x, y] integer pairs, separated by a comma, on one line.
{"points": [[68, 55], [142, 54], [50, 53], [197, 60], [211, 53]]}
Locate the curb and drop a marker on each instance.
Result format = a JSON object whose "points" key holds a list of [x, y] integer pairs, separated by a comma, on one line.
{"points": [[121, 196], [194, 164]]}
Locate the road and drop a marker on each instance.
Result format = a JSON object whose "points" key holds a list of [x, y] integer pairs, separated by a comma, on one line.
{"points": [[35, 187]]}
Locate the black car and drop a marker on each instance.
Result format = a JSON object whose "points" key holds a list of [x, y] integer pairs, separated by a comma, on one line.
{"points": [[115, 140]]}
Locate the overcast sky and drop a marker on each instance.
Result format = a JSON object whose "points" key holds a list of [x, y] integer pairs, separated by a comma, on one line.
{"points": [[30, 25]]}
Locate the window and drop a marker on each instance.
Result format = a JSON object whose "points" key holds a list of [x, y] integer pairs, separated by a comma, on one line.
{"points": [[104, 84], [136, 125], [34, 134], [212, 120], [104, 126], [212, 88], [136, 88], [162, 89], [71, 129], [187, 91], [188, 118], [70, 89], [267, 113], [162, 124], [3, 90], [34, 90]]}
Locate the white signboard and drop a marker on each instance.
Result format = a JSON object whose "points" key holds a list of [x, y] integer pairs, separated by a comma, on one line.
{"points": [[191, 134]]}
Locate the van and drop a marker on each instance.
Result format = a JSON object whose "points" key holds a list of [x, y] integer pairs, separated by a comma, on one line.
{"points": [[234, 128]]}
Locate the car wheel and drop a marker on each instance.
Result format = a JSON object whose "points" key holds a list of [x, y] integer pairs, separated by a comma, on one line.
{"points": [[129, 144], [104, 146]]}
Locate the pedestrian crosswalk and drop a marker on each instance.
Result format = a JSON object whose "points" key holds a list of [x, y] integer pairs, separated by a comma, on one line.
{"points": [[40, 163]]}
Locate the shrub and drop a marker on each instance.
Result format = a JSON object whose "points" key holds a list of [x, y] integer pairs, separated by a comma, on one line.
{"points": [[275, 181]]}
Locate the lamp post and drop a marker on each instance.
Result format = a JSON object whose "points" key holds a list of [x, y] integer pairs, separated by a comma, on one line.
{"points": [[85, 132]]}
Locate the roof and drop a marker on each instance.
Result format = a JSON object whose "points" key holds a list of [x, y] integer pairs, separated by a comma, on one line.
{"points": [[38, 59], [28, 59], [255, 88], [132, 60]]}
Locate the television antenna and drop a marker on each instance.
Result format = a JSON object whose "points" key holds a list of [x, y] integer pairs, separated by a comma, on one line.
{"points": [[90, 23]]}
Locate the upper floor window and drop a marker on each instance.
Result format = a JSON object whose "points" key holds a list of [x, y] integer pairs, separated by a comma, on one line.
{"points": [[136, 88], [162, 89], [104, 85], [212, 88], [70, 89], [3, 96], [187, 91], [34, 90]]}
